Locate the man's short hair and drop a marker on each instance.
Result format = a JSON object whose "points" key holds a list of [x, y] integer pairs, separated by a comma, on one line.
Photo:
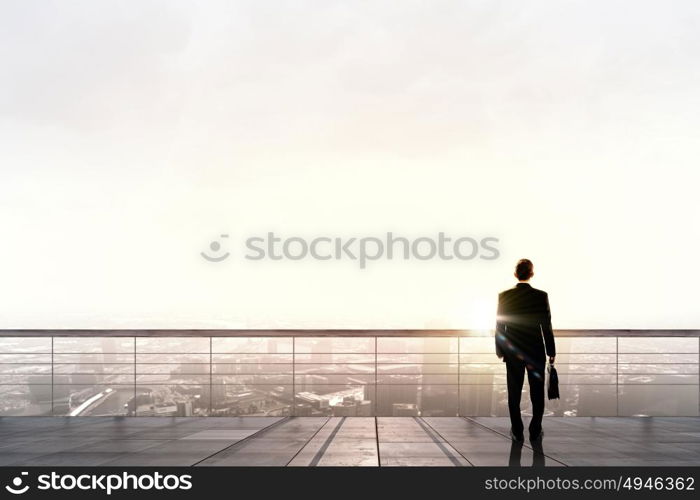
{"points": [[523, 270]]}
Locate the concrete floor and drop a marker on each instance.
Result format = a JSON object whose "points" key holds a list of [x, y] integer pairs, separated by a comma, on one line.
{"points": [[344, 441]]}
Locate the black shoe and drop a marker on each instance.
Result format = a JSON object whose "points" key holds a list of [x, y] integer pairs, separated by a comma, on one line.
{"points": [[536, 437], [517, 437]]}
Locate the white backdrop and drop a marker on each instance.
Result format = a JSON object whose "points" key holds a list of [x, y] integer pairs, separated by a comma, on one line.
{"points": [[134, 133]]}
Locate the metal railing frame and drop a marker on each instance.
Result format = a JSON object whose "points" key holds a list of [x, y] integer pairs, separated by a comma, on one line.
{"points": [[376, 334]]}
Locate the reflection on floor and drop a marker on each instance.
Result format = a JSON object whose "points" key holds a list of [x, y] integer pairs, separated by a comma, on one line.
{"points": [[345, 441]]}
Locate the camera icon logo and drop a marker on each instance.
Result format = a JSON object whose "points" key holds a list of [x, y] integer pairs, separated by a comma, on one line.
{"points": [[219, 254], [16, 487]]}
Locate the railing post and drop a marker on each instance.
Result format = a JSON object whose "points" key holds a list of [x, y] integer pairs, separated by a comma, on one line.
{"points": [[459, 375], [294, 377], [617, 376], [211, 384], [52, 377], [135, 393], [376, 377]]}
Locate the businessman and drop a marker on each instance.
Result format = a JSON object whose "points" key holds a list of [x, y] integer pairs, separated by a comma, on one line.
{"points": [[524, 339]]}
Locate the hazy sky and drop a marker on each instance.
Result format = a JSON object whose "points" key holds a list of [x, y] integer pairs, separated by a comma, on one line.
{"points": [[132, 133]]}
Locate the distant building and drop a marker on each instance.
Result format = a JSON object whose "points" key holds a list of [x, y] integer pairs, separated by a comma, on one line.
{"points": [[404, 410], [364, 408], [345, 410], [303, 410], [392, 394], [351, 407], [184, 408]]}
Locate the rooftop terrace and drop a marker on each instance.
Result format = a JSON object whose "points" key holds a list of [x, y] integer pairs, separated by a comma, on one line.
{"points": [[344, 441], [338, 397]]}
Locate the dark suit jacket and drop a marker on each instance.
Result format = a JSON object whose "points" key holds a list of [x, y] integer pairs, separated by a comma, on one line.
{"points": [[524, 320]]}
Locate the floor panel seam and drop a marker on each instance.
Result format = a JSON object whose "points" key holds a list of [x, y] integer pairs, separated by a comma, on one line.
{"points": [[245, 439], [468, 419], [443, 438], [307, 443], [324, 447], [439, 444]]}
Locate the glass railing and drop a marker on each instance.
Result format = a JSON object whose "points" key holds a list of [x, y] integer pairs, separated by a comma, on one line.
{"points": [[307, 373]]}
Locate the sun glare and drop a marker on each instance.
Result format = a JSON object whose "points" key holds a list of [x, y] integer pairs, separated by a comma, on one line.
{"points": [[479, 314]]}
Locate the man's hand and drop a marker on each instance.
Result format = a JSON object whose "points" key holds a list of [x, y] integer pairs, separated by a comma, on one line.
{"points": [[551, 360]]}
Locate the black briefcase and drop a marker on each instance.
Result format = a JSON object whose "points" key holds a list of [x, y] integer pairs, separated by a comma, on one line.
{"points": [[553, 384]]}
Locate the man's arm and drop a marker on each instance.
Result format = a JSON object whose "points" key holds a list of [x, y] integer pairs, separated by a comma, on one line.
{"points": [[547, 330], [500, 329]]}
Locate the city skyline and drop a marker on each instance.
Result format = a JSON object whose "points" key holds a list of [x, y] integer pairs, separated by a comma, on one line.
{"points": [[333, 376]]}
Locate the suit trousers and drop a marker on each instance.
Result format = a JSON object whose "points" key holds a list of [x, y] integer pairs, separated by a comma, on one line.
{"points": [[515, 369]]}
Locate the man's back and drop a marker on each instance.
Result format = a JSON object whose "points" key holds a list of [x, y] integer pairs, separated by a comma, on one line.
{"points": [[524, 318]]}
